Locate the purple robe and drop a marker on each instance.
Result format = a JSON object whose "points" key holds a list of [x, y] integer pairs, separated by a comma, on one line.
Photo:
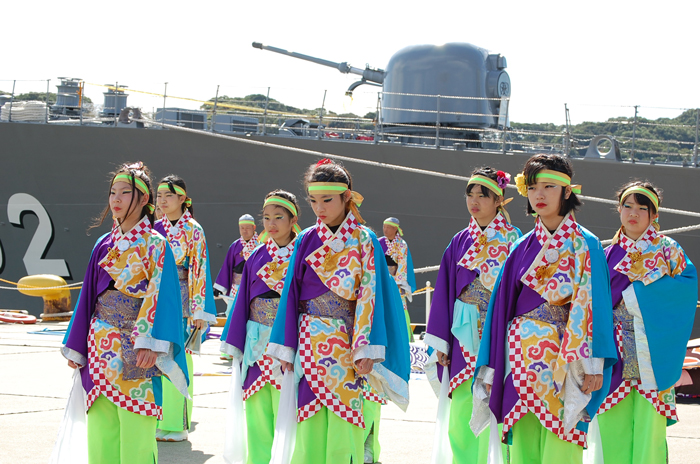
{"points": [[251, 287], [224, 280], [96, 281], [618, 283], [306, 286], [512, 300], [452, 279]]}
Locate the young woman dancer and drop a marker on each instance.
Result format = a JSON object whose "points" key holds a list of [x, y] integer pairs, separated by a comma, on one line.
{"points": [[551, 310], [467, 275], [340, 319], [248, 330], [400, 263], [126, 331], [654, 292], [189, 246]]}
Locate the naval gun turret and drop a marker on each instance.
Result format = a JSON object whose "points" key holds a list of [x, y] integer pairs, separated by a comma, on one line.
{"points": [[457, 88]]}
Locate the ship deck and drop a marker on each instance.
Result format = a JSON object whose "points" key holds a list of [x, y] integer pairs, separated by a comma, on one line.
{"points": [[36, 381]]}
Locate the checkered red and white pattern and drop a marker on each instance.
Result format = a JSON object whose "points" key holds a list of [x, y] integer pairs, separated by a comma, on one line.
{"points": [[172, 230], [466, 373], [630, 246], [265, 272], [249, 246], [373, 397], [324, 395], [344, 232], [265, 377], [102, 386], [142, 227], [475, 233], [555, 243], [625, 388], [529, 401]]}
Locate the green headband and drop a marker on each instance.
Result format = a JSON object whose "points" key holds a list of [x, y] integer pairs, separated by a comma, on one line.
{"points": [[140, 184], [641, 190], [245, 221], [486, 182], [277, 200], [327, 187], [164, 186], [392, 223]]}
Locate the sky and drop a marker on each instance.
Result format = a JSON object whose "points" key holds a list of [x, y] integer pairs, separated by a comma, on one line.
{"points": [[599, 57]]}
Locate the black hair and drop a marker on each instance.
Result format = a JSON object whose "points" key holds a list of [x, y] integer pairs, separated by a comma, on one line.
{"points": [[553, 162], [486, 171], [172, 180], [638, 197], [289, 197], [135, 170], [329, 171]]}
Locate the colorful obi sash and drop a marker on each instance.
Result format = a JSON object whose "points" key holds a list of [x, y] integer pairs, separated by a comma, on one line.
{"points": [[476, 294], [120, 311], [183, 274], [264, 310], [556, 315], [331, 305], [624, 321]]}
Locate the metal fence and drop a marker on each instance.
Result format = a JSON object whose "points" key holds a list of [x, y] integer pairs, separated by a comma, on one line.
{"points": [[435, 126]]}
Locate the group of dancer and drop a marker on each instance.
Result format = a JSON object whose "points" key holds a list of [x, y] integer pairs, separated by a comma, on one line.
{"points": [[549, 335], [541, 333]]}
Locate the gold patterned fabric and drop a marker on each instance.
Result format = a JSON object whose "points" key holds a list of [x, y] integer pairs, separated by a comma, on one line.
{"points": [[625, 321], [264, 310], [237, 278], [331, 305], [120, 311], [478, 295], [556, 315], [393, 270]]}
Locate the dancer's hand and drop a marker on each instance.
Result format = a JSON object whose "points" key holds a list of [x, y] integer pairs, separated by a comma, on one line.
{"points": [[364, 366], [200, 324], [287, 366], [145, 359], [73, 365], [442, 358], [592, 383]]}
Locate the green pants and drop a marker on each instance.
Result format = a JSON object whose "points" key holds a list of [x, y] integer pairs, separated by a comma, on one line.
{"points": [[325, 438], [177, 410], [534, 444], [466, 448], [633, 432], [408, 319], [373, 413], [260, 417], [117, 436]]}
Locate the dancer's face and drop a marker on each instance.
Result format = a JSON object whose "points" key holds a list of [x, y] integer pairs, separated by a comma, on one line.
{"points": [[330, 209]]}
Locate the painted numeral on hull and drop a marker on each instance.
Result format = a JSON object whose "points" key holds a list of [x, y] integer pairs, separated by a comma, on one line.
{"points": [[34, 260]]}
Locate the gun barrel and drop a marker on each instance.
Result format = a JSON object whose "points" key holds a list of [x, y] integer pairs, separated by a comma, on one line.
{"points": [[368, 74]]}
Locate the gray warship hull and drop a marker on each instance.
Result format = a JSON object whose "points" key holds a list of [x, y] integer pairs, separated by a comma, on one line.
{"points": [[65, 170]]}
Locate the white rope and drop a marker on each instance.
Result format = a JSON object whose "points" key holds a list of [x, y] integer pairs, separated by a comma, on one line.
{"points": [[678, 230], [420, 270], [43, 288]]}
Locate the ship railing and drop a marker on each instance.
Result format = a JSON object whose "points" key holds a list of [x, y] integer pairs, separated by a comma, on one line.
{"points": [[481, 125]]}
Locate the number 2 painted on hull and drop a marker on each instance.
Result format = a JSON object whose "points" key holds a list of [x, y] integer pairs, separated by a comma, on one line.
{"points": [[34, 260]]}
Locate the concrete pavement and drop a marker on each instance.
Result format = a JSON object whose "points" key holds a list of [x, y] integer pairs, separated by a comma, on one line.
{"points": [[35, 381]]}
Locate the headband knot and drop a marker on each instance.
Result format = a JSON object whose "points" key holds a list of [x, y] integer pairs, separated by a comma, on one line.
{"points": [[324, 161]]}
